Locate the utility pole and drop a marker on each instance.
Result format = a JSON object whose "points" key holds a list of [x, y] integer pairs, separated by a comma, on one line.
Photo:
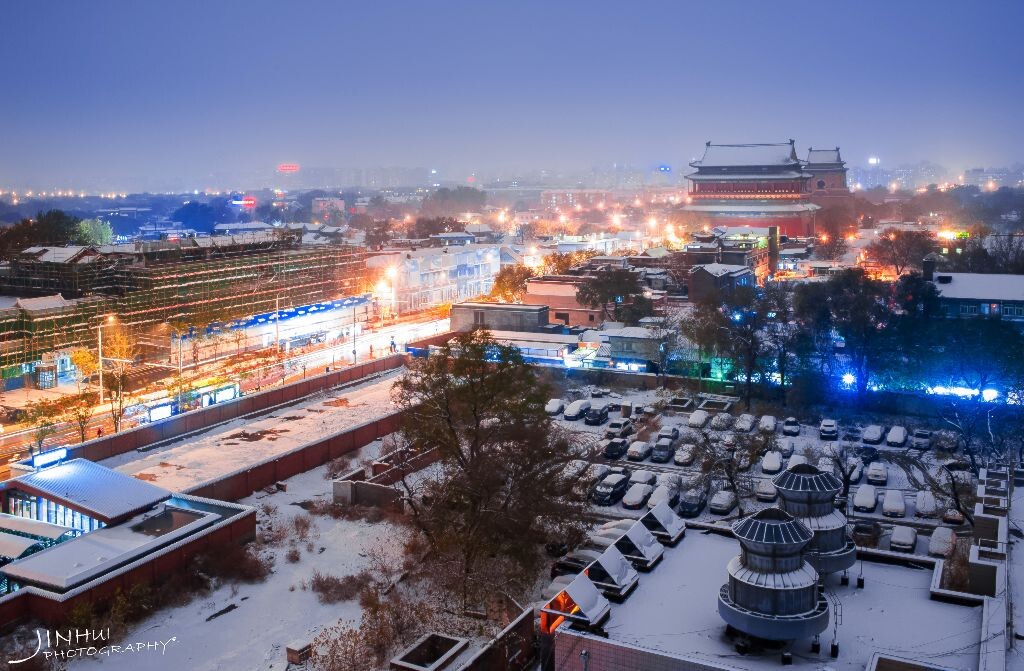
{"points": [[353, 335], [99, 356], [277, 323]]}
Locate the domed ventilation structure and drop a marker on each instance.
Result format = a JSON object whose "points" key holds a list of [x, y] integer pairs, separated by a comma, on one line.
{"points": [[772, 592], [809, 495]]}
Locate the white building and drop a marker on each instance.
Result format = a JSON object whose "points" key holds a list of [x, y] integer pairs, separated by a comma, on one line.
{"points": [[418, 279]]}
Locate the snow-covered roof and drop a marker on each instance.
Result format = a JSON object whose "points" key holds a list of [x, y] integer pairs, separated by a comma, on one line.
{"points": [[54, 302], [592, 605], [639, 332], [747, 177], [35, 528], [981, 286], [804, 576], [754, 206], [656, 252], [12, 546], [720, 269], [97, 491], [824, 156], [726, 155], [56, 254]]}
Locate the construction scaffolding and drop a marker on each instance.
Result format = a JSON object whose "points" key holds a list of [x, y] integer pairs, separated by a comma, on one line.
{"points": [[57, 297]]}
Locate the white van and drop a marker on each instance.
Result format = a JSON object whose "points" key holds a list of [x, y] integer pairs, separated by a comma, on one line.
{"points": [[897, 437], [942, 542], [924, 505], [698, 418], [893, 504], [767, 424], [577, 410], [866, 499], [903, 539]]}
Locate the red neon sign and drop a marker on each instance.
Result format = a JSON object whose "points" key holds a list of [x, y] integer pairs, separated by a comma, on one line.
{"points": [[249, 202], [288, 167]]}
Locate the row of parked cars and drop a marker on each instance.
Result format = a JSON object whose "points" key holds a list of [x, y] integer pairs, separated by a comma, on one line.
{"points": [[941, 543]]}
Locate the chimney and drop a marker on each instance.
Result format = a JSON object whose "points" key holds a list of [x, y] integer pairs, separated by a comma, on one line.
{"points": [[928, 269]]}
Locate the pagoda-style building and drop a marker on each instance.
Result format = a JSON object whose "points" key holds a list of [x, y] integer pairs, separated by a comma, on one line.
{"points": [[828, 177], [755, 185]]}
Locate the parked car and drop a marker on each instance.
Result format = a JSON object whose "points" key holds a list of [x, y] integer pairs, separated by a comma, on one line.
{"points": [[942, 542], [698, 418], [866, 533], [669, 495], [638, 450], [953, 516], [669, 479], [598, 392], [685, 455], [597, 415], [795, 460], [866, 499], [670, 432], [577, 410], [745, 423], [610, 490], [618, 428], [868, 455], [921, 439], [903, 539], [596, 473], [643, 477], [786, 448], [721, 421], [897, 437], [615, 448], [878, 473], [767, 424], [765, 491], [893, 504], [790, 427], [692, 501], [636, 496], [574, 562], [771, 462], [828, 429], [554, 407], [924, 505], [662, 451], [729, 440], [742, 460], [873, 434], [723, 502]]}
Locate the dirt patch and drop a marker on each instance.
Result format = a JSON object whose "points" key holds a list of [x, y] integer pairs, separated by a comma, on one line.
{"points": [[338, 403], [165, 464], [148, 477], [316, 410], [253, 436], [291, 418]]}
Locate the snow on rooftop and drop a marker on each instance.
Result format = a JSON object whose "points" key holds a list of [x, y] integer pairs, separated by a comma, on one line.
{"points": [[12, 546], [42, 303], [824, 156], [228, 447], [96, 490], [719, 269], [981, 286], [674, 611], [727, 155]]}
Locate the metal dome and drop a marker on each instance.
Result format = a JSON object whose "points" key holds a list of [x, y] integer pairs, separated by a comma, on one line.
{"points": [[807, 478], [772, 526]]}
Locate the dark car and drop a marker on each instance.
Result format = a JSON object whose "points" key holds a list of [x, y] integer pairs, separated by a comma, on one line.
{"points": [[610, 490], [615, 448], [573, 563], [597, 416], [663, 451], [692, 502], [866, 533]]}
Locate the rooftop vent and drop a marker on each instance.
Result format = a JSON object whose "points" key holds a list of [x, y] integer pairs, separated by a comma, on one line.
{"points": [[945, 279]]}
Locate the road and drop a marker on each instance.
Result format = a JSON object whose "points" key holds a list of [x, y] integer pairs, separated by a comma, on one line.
{"points": [[15, 444]]}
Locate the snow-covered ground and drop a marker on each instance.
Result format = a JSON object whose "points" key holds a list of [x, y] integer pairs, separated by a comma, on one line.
{"points": [[268, 615], [228, 447], [674, 610]]}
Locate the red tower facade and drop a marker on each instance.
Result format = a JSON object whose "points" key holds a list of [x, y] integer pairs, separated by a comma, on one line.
{"points": [[828, 176], [753, 185]]}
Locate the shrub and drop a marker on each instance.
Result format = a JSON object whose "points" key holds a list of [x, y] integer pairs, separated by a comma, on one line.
{"points": [[293, 555], [332, 589], [302, 525], [235, 562]]}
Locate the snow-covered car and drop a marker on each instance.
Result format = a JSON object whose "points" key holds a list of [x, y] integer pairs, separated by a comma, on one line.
{"points": [[767, 424], [765, 491], [942, 542], [873, 434], [795, 460], [729, 440], [893, 504], [828, 429], [855, 468], [615, 448], [897, 437], [636, 496], [722, 503], [669, 495], [745, 423], [698, 418], [921, 439], [866, 499], [903, 539], [790, 427], [668, 479], [662, 451], [924, 505], [878, 473], [577, 410], [610, 490], [771, 463], [721, 421], [643, 477], [670, 432], [638, 450], [554, 407], [685, 455]]}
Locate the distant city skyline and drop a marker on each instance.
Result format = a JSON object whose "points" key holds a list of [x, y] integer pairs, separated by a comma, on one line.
{"points": [[142, 96]]}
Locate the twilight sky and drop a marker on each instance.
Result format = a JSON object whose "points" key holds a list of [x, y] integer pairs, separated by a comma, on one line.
{"points": [[106, 91]]}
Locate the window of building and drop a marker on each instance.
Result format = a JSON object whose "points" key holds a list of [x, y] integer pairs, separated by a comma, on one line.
{"points": [[590, 317], [821, 184], [968, 308], [562, 317], [478, 318]]}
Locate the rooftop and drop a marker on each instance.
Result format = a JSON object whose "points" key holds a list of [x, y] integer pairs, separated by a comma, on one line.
{"points": [[729, 155], [815, 156], [674, 612], [751, 206], [720, 269], [983, 286], [94, 490]]}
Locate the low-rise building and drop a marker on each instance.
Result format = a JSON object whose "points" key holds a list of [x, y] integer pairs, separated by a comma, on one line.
{"points": [[422, 278], [978, 294], [705, 280], [498, 316]]}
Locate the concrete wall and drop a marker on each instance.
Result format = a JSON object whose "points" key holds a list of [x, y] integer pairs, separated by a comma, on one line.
{"points": [[513, 649]]}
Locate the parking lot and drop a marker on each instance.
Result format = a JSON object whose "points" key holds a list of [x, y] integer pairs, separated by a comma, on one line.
{"points": [[799, 440]]}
